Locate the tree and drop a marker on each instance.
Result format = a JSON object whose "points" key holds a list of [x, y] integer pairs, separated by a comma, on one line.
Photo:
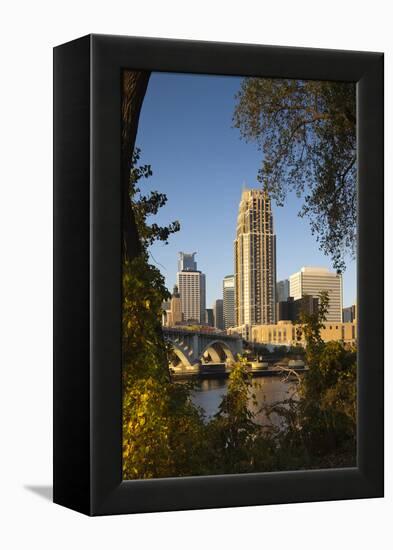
{"points": [[311, 325], [307, 133], [134, 85], [325, 414], [163, 432], [144, 290], [159, 424], [232, 432]]}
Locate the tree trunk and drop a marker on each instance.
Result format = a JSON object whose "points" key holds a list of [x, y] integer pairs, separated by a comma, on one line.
{"points": [[134, 85]]}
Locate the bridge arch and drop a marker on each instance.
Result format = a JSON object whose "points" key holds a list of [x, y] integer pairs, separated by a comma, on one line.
{"points": [[177, 353], [219, 352]]}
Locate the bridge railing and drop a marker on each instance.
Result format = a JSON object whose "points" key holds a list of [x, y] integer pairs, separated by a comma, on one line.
{"points": [[202, 332]]}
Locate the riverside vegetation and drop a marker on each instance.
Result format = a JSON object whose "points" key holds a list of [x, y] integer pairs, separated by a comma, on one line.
{"points": [[166, 435]]}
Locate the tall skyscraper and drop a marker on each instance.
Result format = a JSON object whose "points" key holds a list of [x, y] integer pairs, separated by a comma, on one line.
{"points": [[311, 281], [228, 293], [282, 290], [186, 262], [255, 260], [192, 288], [218, 311]]}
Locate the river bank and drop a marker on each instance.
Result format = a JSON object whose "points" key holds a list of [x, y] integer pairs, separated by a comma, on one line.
{"points": [[220, 371]]}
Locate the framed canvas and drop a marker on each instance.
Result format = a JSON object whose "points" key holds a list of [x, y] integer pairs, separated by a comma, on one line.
{"points": [[275, 393]]}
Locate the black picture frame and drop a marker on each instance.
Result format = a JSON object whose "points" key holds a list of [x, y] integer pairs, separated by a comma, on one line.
{"points": [[87, 275]]}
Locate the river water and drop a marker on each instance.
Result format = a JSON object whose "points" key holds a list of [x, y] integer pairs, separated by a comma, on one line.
{"points": [[267, 390]]}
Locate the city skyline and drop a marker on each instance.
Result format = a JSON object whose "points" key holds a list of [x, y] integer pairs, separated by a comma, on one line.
{"points": [[317, 280], [204, 196], [286, 278]]}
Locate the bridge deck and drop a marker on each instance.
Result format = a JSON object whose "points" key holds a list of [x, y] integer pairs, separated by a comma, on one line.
{"points": [[209, 334]]}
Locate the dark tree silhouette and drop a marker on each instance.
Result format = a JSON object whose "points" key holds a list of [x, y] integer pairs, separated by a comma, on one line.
{"points": [[134, 85]]}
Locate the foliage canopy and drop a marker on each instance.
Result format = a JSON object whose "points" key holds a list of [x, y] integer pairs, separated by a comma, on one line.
{"points": [[306, 131]]}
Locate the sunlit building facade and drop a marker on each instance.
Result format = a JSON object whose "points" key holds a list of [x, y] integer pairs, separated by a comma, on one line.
{"points": [[311, 281], [191, 284], [285, 333], [255, 260]]}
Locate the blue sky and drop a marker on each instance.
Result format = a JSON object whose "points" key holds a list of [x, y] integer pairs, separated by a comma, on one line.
{"points": [[198, 160]]}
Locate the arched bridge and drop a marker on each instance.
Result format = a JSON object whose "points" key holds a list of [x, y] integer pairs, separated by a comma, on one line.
{"points": [[191, 347]]}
